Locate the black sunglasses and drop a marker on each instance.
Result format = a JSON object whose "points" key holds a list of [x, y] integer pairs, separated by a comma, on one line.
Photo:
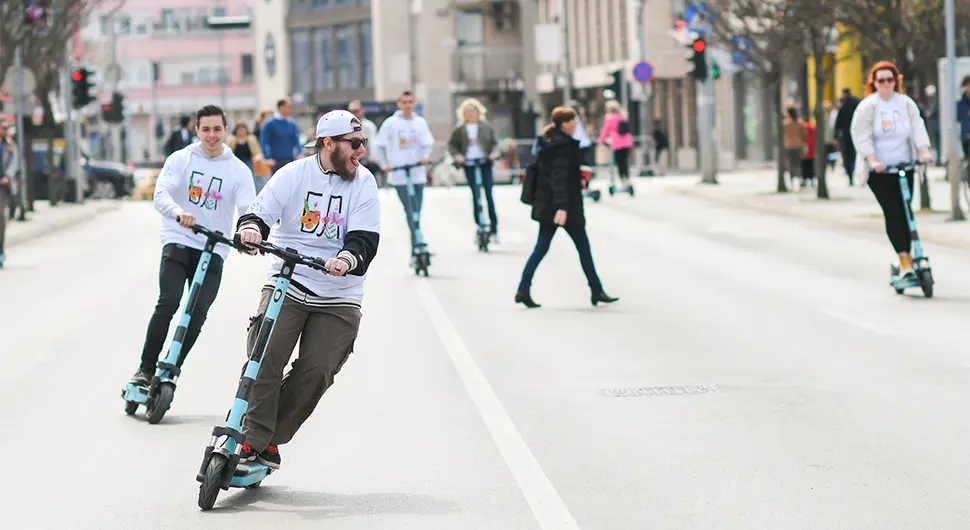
{"points": [[355, 143]]}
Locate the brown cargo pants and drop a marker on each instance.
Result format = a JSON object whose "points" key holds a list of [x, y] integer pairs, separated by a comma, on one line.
{"points": [[279, 405]]}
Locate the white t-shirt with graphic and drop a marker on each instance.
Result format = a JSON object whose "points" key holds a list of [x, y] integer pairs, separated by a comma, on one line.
{"points": [[891, 132], [315, 211], [207, 188], [474, 147], [404, 141]]}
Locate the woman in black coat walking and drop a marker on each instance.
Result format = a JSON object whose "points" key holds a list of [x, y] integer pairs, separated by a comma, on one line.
{"points": [[559, 202]]}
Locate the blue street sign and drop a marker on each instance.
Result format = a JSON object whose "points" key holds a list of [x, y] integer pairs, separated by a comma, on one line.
{"points": [[643, 72]]}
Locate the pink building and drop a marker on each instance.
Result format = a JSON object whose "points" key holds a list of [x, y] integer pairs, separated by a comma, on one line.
{"points": [[196, 65]]}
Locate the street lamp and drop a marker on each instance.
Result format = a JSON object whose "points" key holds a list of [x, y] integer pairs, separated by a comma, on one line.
{"points": [[221, 23]]}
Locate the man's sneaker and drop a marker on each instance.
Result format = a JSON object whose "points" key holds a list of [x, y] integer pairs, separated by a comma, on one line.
{"points": [[270, 457], [141, 378], [247, 454]]}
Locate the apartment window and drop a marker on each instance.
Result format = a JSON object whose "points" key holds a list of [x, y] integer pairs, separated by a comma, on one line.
{"points": [[366, 55], [320, 5], [323, 70], [218, 11], [470, 26], [301, 61], [298, 6], [246, 66], [347, 74], [345, 2]]}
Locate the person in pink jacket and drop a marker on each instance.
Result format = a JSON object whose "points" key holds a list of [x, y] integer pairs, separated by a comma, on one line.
{"points": [[616, 129]]}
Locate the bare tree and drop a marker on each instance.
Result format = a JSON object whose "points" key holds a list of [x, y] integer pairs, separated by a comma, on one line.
{"points": [[761, 31], [44, 54]]}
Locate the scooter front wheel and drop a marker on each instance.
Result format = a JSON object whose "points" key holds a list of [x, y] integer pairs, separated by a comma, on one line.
{"points": [[130, 407], [160, 403], [926, 282], [212, 481]]}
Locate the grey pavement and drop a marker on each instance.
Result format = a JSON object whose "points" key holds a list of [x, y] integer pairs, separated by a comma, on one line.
{"points": [[757, 372], [46, 219], [848, 207]]}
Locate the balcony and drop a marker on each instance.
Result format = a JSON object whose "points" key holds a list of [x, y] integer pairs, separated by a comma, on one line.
{"points": [[487, 69]]}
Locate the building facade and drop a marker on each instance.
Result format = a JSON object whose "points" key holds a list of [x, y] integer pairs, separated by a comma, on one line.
{"points": [[169, 64], [603, 37]]}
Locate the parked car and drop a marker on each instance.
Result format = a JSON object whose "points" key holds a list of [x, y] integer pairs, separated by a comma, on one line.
{"points": [[99, 178]]}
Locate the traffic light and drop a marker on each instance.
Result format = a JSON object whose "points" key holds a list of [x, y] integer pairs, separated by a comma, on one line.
{"points": [[114, 112], [699, 58], [81, 87], [715, 71]]}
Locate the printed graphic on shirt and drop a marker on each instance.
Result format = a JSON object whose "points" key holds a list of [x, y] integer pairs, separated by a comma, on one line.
{"points": [[329, 226], [890, 121], [211, 197], [407, 137]]}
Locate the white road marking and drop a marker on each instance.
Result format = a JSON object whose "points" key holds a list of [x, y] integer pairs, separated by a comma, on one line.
{"points": [[546, 504], [857, 322]]}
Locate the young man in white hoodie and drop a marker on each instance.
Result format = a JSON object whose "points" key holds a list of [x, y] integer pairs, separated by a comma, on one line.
{"points": [[403, 139], [201, 183], [327, 207]]}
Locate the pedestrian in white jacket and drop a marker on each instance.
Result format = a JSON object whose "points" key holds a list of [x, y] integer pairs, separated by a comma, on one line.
{"points": [[888, 130], [405, 139]]}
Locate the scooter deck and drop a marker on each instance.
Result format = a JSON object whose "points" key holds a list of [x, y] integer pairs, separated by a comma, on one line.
{"points": [[249, 473], [135, 393]]}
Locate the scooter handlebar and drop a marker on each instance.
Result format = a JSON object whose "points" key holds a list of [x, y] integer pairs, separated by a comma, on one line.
{"points": [[215, 235], [286, 254], [406, 167]]}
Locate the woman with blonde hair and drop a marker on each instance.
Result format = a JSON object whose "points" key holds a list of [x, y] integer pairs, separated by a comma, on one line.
{"points": [[557, 200], [888, 130], [616, 129], [473, 143], [246, 148]]}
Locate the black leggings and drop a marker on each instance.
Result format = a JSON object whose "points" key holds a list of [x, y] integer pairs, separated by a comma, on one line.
{"points": [[622, 159], [178, 267], [885, 186]]}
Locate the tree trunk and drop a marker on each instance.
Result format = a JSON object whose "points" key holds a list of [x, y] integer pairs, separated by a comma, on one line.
{"points": [[53, 179], [820, 123], [780, 144]]}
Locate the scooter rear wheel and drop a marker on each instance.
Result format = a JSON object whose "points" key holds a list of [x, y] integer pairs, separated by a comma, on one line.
{"points": [[158, 406], [212, 481]]}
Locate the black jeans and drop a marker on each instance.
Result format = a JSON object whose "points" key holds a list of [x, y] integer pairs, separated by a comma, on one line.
{"points": [[848, 157], [487, 182], [408, 203], [176, 269], [622, 159], [580, 239], [885, 186]]}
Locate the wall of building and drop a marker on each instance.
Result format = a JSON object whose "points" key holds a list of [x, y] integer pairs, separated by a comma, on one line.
{"points": [[272, 52]]}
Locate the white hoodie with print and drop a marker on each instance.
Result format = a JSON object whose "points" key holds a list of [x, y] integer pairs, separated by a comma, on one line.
{"points": [[214, 190], [404, 141]]}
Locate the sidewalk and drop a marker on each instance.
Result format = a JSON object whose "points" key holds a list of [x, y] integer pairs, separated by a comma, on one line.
{"points": [[46, 219], [847, 207]]}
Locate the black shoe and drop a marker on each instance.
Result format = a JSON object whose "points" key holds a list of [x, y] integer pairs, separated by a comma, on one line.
{"points": [[524, 298], [141, 378], [270, 457], [247, 454], [602, 297]]}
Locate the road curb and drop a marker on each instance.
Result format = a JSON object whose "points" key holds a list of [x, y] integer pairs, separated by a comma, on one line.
{"points": [[863, 225], [43, 225]]}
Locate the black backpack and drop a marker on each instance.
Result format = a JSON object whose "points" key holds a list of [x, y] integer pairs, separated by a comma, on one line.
{"points": [[623, 127], [529, 182]]}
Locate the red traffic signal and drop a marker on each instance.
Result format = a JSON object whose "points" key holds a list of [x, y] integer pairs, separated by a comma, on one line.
{"points": [[76, 75], [699, 46]]}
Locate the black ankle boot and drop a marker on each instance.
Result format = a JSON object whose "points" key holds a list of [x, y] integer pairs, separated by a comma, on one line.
{"points": [[602, 297], [526, 299]]}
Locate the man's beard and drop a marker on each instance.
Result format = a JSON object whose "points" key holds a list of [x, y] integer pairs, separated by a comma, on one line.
{"points": [[339, 164]]}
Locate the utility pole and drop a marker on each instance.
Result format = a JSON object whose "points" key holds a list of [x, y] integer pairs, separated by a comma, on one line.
{"points": [[706, 130], [113, 72], [645, 127], [19, 66], [70, 140], [567, 87], [153, 113], [953, 157]]}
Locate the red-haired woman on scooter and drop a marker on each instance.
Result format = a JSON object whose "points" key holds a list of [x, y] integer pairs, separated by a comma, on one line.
{"points": [[887, 130]]}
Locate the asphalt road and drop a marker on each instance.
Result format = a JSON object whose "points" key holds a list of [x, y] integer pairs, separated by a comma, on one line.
{"points": [[757, 372]]}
